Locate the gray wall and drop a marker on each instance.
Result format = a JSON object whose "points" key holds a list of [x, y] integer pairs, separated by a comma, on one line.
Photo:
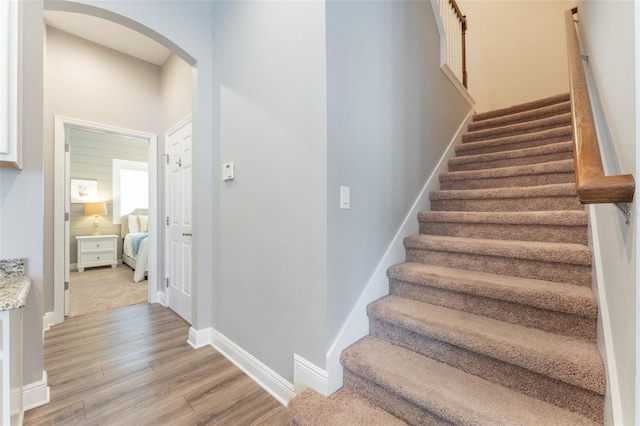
{"points": [[608, 34], [22, 193], [264, 106], [92, 156], [392, 113], [86, 81], [176, 91], [271, 63]]}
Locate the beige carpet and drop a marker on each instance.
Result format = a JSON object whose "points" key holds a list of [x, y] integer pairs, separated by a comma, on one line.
{"points": [[102, 289], [491, 319]]}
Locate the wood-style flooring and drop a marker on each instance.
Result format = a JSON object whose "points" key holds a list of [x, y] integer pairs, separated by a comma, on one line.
{"points": [[133, 366]]}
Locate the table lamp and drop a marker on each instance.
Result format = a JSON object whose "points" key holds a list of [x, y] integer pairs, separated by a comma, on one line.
{"points": [[95, 209]]}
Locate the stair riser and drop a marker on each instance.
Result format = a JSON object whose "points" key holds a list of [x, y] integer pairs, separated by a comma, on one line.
{"points": [[522, 129], [543, 233], [585, 402], [394, 404], [486, 148], [510, 162], [509, 204], [509, 181], [515, 313], [548, 271]]}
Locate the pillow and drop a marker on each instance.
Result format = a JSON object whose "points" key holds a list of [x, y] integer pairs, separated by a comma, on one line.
{"points": [[134, 223], [144, 222]]}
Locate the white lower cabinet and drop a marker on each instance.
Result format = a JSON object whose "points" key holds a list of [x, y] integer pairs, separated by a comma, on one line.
{"points": [[11, 367]]}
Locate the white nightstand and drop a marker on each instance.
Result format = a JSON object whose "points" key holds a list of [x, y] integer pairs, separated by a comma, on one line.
{"points": [[97, 250]]}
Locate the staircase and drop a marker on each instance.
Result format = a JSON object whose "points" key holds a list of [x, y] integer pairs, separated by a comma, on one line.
{"points": [[491, 319]]}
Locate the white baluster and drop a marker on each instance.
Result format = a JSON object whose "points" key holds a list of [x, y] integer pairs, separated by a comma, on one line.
{"points": [[453, 33]]}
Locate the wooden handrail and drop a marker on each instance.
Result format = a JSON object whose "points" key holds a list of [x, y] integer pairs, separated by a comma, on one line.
{"points": [[592, 186]]}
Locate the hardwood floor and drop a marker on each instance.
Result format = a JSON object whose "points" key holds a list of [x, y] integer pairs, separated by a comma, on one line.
{"points": [[132, 366]]}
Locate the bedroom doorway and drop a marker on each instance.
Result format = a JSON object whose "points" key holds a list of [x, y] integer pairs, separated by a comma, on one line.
{"points": [[64, 127]]}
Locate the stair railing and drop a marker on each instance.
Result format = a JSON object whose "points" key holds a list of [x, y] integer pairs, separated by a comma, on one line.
{"points": [[455, 27], [592, 186]]}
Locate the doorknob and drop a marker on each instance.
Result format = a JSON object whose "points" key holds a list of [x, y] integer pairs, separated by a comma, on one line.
{"points": [[187, 234]]}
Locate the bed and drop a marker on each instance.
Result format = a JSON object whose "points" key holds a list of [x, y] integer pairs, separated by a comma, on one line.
{"points": [[135, 242]]}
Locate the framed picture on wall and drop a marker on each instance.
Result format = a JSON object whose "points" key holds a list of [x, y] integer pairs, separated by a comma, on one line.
{"points": [[84, 191]]}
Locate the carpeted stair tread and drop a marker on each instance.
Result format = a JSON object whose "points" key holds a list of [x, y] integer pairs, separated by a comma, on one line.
{"points": [[492, 318], [553, 190], [525, 112], [529, 169], [559, 297], [507, 176], [344, 407], [507, 143], [520, 117], [548, 122], [557, 218], [551, 152], [544, 197], [563, 358], [527, 106], [576, 254], [559, 226], [568, 309], [449, 393]]}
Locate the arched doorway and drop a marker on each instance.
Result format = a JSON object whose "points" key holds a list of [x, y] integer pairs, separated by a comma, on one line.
{"points": [[157, 273]]}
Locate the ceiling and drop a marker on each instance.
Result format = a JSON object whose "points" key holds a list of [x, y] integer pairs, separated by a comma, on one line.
{"points": [[109, 34]]}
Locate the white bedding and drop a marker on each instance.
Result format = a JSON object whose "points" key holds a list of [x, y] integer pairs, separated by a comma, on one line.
{"points": [[142, 258]]}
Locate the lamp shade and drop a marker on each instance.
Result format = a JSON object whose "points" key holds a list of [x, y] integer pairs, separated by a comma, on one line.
{"points": [[95, 209]]}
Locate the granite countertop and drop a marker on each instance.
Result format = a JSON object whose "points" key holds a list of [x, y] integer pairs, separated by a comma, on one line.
{"points": [[13, 292]]}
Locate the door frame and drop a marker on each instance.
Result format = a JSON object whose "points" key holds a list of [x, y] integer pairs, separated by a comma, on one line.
{"points": [[60, 182]]}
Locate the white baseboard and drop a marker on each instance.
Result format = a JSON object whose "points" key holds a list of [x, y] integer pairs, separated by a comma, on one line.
{"points": [[199, 338], [268, 379], [306, 374], [35, 394], [357, 324], [48, 320]]}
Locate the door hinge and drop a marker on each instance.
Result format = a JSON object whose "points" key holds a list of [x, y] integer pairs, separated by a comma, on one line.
{"points": [[66, 285], [166, 156], [167, 220], [66, 216], [67, 148], [166, 282]]}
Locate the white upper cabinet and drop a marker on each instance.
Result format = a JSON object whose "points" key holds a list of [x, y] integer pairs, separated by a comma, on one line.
{"points": [[10, 84]]}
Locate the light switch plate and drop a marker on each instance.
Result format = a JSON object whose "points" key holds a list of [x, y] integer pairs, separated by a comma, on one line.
{"points": [[345, 197], [228, 171]]}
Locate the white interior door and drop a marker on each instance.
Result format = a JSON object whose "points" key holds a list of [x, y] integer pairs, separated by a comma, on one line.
{"points": [[178, 211]]}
